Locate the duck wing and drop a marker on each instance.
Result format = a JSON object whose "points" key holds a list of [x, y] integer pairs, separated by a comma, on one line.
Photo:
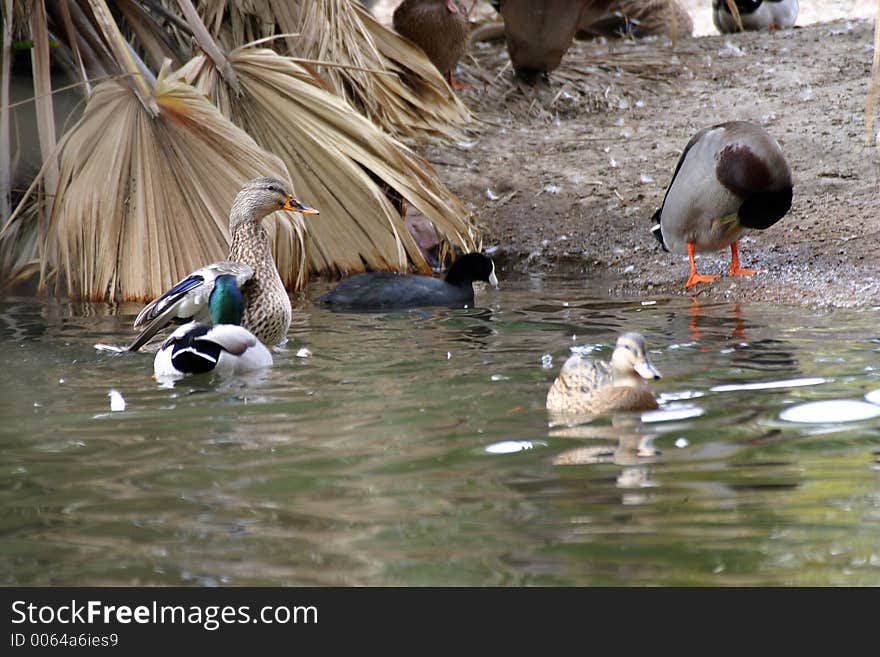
{"points": [[231, 338], [187, 300]]}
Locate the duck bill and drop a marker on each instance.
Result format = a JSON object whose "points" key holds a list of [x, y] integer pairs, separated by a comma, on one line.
{"points": [[295, 206], [645, 370]]}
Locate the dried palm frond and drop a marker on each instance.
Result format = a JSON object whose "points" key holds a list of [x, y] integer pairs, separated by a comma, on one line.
{"points": [[734, 11], [384, 76], [142, 199], [333, 154]]}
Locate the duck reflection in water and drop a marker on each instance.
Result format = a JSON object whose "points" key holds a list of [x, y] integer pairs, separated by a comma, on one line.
{"points": [[698, 316]]}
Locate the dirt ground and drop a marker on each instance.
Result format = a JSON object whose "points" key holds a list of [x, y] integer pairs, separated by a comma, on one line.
{"points": [[564, 177]]}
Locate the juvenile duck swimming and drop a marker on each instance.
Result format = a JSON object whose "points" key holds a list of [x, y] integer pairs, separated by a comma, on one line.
{"points": [[586, 386]]}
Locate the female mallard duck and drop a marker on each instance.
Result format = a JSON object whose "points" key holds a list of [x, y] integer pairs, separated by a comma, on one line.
{"points": [[439, 27], [755, 14], [382, 290], [538, 34], [585, 386], [225, 347], [267, 308], [729, 178]]}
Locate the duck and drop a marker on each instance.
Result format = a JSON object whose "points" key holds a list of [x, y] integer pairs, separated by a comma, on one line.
{"points": [[591, 387], [538, 34], [730, 177], [439, 27], [755, 15], [267, 310], [223, 346], [639, 18], [392, 291]]}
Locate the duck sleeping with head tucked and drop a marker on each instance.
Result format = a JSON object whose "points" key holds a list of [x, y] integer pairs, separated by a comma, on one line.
{"points": [[267, 309], [754, 14], [730, 177], [588, 387]]}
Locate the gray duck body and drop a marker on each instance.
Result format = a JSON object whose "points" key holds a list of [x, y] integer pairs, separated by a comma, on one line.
{"points": [[733, 170]]}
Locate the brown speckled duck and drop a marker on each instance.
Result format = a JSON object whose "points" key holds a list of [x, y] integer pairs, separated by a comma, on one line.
{"points": [[267, 309], [439, 27], [639, 18], [730, 177], [588, 387], [538, 34]]}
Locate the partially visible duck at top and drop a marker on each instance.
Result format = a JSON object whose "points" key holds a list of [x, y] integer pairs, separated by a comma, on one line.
{"points": [[639, 18], [755, 15], [591, 387], [378, 291], [267, 310], [440, 28], [224, 347], [538, 34], [731, 177]]}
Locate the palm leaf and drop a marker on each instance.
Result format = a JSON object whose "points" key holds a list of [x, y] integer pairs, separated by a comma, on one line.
{"points": [[384, 76], [331, 152], [142, 199]]}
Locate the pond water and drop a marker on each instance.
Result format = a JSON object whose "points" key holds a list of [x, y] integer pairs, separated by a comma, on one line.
{"points": [[413, 448]]}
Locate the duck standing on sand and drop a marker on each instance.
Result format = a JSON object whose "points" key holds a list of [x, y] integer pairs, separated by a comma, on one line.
{"points": [[439, 27], [730, 177], [586, 386], [267, 309], [224, 347], [538, 34], [754, 14]]}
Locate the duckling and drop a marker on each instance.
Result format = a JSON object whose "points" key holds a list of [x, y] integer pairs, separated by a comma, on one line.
{"points": [[439, 27], [585, 386], [538, 34], [382, 290], [755, 14], [267, 309], [730, 177], [225, 347]]}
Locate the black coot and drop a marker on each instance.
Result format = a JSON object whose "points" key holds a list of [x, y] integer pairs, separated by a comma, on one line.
{"points": [[387, 290]]}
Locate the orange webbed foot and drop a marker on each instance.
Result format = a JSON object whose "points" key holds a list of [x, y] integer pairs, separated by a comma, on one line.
{"points": [[455, 84], [700, 278], [742, 271]]}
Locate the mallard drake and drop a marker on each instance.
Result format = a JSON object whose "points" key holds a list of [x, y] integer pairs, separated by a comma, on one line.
{"points": [[586, 386], [755, 14], [538, 34], [267, 308], [224, 347], [729, 178], [439, 27], [383, 290]]}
